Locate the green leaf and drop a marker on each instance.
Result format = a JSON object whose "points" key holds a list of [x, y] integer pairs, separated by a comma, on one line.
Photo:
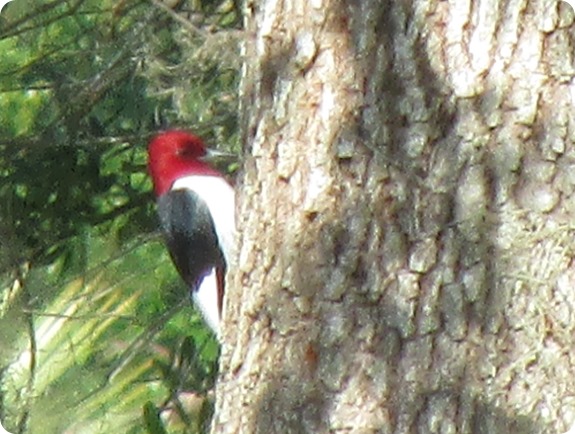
{"points": [[152, 419]]}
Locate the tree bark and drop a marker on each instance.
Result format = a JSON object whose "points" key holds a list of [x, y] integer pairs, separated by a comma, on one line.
{"points": [[406, 248]]}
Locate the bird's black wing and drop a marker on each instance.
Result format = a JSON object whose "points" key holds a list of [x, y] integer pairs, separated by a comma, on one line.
{"points": [[189, 233]]}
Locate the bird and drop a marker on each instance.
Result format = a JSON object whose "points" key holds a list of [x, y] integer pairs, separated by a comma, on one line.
{"points": [[2, 4], [3, 430], [196, 209]]}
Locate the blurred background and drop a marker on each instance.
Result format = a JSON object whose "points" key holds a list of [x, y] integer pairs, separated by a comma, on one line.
{"points": [[97, 333]]}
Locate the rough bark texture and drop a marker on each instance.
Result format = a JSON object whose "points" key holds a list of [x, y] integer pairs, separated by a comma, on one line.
{"points": [[406, 259]]}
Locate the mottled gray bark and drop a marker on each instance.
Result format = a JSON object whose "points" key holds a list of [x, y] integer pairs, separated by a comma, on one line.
{"points": [[406, 246]]}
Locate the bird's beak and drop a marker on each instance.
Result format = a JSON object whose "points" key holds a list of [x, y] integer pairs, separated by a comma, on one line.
{"points": [[219, 157]]}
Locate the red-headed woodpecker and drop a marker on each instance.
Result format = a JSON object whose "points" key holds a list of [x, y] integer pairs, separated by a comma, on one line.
{"points": [[196, 209]]}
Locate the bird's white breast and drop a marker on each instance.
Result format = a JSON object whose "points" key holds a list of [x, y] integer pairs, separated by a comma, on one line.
{"points": [[220, 198]]}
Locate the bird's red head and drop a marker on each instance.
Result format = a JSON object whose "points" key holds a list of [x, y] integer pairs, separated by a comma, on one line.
{"points": [[175, 154]]}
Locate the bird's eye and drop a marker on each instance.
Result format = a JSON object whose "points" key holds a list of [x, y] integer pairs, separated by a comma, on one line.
{"points": [[184, 152]]}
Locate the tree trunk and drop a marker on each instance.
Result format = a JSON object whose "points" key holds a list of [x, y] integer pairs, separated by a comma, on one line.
{"points": [[406, 252]]}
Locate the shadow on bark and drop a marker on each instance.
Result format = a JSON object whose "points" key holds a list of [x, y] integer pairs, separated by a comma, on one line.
{"points": [[418, 347]]}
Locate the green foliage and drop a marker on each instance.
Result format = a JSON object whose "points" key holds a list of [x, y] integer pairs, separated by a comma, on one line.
{"points": [[96, 330], [154, 424]]}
